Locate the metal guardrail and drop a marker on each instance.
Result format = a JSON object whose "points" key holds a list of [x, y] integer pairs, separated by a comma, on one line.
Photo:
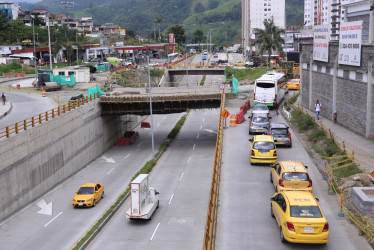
{"points": [[211, 222], [34, 121]]}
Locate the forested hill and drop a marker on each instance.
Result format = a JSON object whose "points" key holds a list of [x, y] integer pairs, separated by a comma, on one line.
{"points": [[223, 17]]}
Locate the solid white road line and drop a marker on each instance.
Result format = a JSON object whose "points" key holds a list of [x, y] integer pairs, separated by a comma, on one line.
{"points": [[139, 144], [53, 219], [194, 147], [110, 170], [126, 156], [155, 231], [171, 199], [189, 158], [180, 178]]}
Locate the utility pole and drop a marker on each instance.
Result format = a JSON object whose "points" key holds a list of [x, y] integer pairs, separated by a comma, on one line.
{"points": [[49, 45], [33, 34], [76, 37]]}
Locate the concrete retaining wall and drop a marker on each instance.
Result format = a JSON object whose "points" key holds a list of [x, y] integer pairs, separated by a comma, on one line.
{"points": [[353, 95], [38, 159]]}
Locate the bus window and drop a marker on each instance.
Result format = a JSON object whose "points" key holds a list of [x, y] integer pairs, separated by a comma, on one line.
{"points": [[265, 85]]}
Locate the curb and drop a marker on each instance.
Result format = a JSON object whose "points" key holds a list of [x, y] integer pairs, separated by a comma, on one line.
{"points": [[6, 112]]}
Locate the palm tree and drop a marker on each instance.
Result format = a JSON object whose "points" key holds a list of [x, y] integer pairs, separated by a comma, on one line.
{"points": [[65, 39], [159, 20], [269, 39]]}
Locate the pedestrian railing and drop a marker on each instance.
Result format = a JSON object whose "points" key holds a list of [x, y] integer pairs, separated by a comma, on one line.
{"points": [[34, 121]]}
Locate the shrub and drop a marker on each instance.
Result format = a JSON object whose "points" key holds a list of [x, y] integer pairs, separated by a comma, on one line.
{"points": [[156, 72]]}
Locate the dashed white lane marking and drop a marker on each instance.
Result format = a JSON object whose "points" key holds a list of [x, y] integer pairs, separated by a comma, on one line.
{"points": [[201, 127], [139, 144], [53, 219], [171, 199], [111, 171], [155, 231], [158, 125], [204, 120], [126, 156], [197, 137], [180, 178], [149, 134], [194, 147]]}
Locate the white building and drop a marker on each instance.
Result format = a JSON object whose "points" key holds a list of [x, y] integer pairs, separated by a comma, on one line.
{"points": [[354, 10], [261, 10], [11, 10]]}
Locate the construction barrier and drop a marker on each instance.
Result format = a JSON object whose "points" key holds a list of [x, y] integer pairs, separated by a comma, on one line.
{"points": [[233, 121], [145, 125], [128, 138], [240, 117], [44, 93]]}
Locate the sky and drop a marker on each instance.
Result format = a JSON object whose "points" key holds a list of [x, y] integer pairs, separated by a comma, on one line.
{"points": [[24, 1]]}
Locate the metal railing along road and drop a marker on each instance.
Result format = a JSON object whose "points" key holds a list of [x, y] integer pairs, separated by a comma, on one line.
{"points": [[36, 120]]}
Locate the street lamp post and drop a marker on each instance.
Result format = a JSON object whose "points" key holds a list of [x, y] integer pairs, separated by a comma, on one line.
{"points": [[33, 33], [150, 107], [49, 45]]}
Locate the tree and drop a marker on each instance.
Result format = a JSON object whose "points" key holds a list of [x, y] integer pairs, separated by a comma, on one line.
{"points": [[179, 33], [17, 31], [159, 20], [65, 39], [269, 39], [4, 26], [199, 8], [198, 36]]}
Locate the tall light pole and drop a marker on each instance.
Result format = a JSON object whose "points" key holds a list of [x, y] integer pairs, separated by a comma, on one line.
{"points": [[33, 34], [210, 40], [76, 37], [150, 108], [49, 45]]}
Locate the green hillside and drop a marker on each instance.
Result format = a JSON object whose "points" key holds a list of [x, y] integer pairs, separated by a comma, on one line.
{"points": [[223, 17]]}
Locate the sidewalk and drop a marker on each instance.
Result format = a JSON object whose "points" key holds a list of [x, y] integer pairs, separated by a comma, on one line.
{"points": [[363, 148], [5, 109]]}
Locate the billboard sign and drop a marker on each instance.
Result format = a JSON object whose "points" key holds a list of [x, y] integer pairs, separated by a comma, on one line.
{"points": [[171, 38], [350, 38], [321, 43]]}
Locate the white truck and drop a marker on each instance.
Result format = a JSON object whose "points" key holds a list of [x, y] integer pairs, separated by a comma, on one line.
{"points": [[144, 199]]}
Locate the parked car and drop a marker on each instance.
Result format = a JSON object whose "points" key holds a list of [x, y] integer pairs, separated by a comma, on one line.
{"points": [[205, 52], [290, 175], [263, 149], [281, 133], [259, 124], [88, 195], [299, 217]]}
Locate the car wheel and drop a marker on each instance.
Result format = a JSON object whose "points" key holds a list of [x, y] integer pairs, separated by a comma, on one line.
{"points": [[283, 240], [290, 146], [271, 211], [102, 195], [94, 203], [158, 203], [271, 179]]}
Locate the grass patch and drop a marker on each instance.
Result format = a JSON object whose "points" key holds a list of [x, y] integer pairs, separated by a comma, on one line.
{"points": [[156, 72], [203, 80], [147, 168], [347, 171], [242, 74], [303, 122]]}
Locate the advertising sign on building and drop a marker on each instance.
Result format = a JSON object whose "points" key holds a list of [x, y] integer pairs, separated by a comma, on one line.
{"points": [[288, 42], [171, 38], [321, 43], [350, 38]]}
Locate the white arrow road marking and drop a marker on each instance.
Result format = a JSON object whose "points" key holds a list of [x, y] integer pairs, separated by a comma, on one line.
{"points": [[155, 231], [127, 156], [44, 207], [210, 131], [197, 137], [108, 159], [53, 219], [171, 199]]}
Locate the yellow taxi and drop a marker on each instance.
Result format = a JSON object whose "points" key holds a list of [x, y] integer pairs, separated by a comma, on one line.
{"points": [[263, 149], [299, 217], [242, 63], [293, 84], [290, 175], [88, 195]]}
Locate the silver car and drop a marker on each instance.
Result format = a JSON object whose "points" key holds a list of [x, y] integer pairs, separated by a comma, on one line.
{"points": [[259, 124], [260, 109], [281, 134]]}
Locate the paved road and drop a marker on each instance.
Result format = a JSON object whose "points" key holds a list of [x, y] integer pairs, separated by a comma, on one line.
{"points": [[183, 178], [29, 229], [244, 220]]}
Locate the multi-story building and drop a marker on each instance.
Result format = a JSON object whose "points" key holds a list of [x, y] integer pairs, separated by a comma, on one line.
{"points": [[354, 10], [246, 23], [11, 10], [110, 30], [85, 26], [260, 10]]}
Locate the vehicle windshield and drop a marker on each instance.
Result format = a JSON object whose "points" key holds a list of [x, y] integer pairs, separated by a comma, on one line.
{"points": [[261, 107], [259, 119], [265, 85], [263, 145], [294, 81], [279, 132], [86, 190], [295, 176], [305, 211]]}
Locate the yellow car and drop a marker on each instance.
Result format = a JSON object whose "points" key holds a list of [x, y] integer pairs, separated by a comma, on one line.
{"points": [[240, 63], [88, 195], [290, 175], [299, 217], [293, 84], [263, 149]]}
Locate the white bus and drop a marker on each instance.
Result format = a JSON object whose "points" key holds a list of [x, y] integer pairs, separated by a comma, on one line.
{"points": [[269, 89]]}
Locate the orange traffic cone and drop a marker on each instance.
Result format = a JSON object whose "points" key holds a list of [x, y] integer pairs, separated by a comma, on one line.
{"points": [[44, 93]]}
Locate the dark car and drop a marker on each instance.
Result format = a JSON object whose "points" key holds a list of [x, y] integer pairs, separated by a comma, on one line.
{"points": [[281, 134], [259, 124]]}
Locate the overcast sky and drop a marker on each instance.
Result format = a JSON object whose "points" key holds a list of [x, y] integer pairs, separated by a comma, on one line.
{"points": [[24, 1]]}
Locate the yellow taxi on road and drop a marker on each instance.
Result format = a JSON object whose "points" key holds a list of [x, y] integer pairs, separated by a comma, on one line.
{"points": [[263, 149], [290, 175], [293, 84], [242, 63], [88, 195], [299, 217]]}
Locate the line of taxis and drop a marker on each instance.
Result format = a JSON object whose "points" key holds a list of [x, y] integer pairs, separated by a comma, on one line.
{"points": [[294, 207]]}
